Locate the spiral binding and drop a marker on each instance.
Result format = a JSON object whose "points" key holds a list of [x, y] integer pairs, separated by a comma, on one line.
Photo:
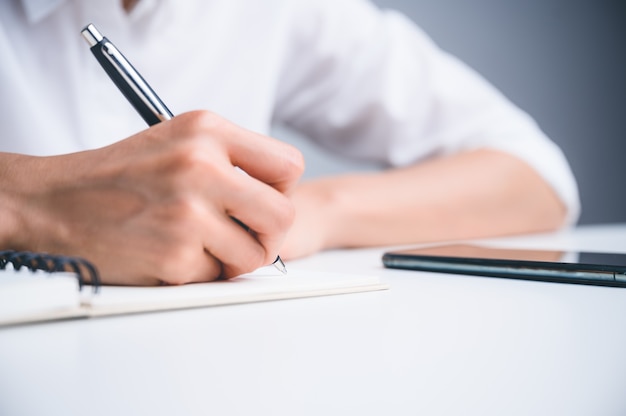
{"points": [[52, 263]]}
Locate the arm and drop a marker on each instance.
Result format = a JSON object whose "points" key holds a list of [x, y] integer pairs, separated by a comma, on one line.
{"points": [[468, 195], [382, 91], [157, 206]]}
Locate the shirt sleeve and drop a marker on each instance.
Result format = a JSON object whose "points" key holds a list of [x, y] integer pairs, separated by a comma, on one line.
{"points": [[370, 85]]}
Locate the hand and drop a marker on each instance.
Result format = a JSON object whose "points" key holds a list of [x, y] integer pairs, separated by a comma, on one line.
{"points": [[158, 206], [314, 222]]}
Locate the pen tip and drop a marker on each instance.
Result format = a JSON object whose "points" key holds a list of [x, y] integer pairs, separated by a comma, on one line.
{"points": [[278, 263]]}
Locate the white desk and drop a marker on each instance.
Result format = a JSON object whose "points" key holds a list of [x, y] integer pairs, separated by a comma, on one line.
{"points": [[432, 345]]}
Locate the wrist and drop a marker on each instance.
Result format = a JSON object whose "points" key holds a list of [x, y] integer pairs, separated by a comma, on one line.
{"points": [[351, 213], [12, 206], [323, 204]]}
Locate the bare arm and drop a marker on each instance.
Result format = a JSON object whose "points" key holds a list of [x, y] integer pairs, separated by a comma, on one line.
{"points": [[157, 206], [475, 194]]}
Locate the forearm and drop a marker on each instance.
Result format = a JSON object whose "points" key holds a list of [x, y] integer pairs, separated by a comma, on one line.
{"points": [[15, 175], [475, 194], [35, 202]]}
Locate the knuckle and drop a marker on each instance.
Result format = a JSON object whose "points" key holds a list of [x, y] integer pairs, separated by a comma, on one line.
{"points": [[187, 153], [166, 267], [191, 160], [186, 263], [178, 259], [183, 211], [251, 260], [200, 120]]}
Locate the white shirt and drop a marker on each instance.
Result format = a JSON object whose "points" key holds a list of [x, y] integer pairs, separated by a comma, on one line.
{"points": [[361, 82]]}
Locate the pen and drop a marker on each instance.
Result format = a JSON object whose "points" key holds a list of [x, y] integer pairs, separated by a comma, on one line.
{"points": [[136, 89]]}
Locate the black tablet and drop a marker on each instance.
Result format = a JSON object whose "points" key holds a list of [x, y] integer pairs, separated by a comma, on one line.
{"points": [[604, 269]]}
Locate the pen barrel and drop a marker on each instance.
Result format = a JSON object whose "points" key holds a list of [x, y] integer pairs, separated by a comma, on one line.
{"points": [[126, 78]]}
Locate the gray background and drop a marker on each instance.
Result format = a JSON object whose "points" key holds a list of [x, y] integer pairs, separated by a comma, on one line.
{"points": [[563, 61]]}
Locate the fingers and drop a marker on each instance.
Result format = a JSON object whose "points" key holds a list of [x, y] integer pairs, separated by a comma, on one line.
{"points": [[272, 162], [257, 198], [237, 249], [265, 211]]}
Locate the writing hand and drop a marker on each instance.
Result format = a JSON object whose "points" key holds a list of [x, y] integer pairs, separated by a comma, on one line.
{"points": [[157, 207]]}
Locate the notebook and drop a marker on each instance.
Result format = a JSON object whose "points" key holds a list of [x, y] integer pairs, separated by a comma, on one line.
{"points": [[28, 297]]}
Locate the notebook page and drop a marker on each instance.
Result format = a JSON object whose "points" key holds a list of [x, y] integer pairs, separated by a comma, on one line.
{"points": [[262, 285], [26, 296]]}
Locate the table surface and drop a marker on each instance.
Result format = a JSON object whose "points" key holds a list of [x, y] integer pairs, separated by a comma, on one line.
{"points": [[433, 344]]}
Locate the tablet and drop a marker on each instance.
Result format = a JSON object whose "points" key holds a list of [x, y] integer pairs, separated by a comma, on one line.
{"points": [[604, 269]]}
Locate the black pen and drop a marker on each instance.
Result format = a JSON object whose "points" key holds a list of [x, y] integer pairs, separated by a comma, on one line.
{"points": [[135, 89]]}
